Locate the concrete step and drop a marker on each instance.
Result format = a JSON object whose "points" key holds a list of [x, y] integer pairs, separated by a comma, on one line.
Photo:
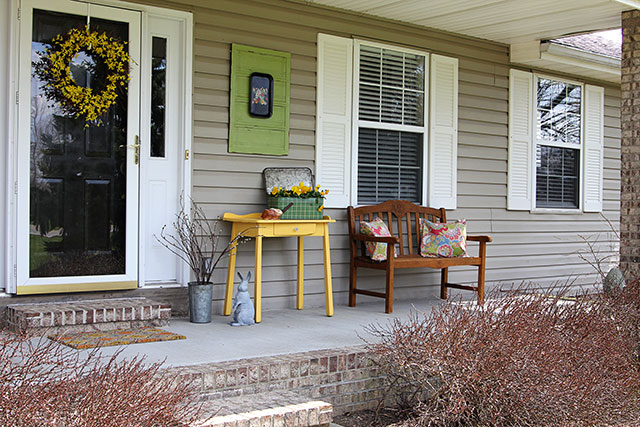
{"points": [[274, 409], [87, 315]]}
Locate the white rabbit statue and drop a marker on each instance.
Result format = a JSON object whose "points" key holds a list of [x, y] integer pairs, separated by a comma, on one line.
{"points": [[243, 310]]}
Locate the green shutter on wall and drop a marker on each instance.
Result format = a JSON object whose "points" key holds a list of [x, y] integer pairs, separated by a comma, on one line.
{"points": [[256, 135]]}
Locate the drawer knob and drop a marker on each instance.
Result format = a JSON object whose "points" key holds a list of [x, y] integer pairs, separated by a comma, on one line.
{"points": [[295, 229]]}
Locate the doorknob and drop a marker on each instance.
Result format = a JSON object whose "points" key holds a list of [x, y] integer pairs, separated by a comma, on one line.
{"points": [[136, 149]]}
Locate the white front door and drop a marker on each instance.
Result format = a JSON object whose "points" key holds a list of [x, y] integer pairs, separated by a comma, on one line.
{"points": [[77, 185]]}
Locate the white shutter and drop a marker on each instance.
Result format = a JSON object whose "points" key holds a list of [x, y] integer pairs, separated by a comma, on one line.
{"points": [[593, 147], [443, 132], [333, 118], [520, 140]]}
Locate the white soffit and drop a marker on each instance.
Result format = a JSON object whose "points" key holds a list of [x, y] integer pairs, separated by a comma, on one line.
{"points": [[556, 57], [503, 21]]}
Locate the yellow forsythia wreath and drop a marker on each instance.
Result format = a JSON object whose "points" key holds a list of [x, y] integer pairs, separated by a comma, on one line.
{"points": [[54, 70]]}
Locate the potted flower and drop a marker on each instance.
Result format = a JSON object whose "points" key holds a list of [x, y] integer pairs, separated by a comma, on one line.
{"points": [[195, 239], [307, 202]]}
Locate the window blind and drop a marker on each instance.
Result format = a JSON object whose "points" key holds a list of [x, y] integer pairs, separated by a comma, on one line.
{"points": [[389, 165]]}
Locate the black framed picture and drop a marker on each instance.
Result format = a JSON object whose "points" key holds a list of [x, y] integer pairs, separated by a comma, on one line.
{"points": [[260, 95]]}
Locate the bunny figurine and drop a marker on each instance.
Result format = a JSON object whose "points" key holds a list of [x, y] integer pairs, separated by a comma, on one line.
{"points": [[243, 310]]}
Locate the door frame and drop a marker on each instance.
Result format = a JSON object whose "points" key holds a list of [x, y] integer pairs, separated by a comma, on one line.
{"points": [[12, 243], [182, 69]]}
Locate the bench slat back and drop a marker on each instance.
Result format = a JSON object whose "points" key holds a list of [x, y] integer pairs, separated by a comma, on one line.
{"points": [[393, 213]]}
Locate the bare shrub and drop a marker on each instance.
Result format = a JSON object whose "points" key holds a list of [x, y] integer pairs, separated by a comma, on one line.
{"points": [[45, 384], [518, 361], [601, 252]]}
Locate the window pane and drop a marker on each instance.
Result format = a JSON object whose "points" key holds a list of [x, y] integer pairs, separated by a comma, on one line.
{"points": [[574, 98], [414, 72], [557, 177], [370, 58], [158, 95], [573, 128], [413, 111], [389, 165], [391, 105], [558, 111], [391, 86], [392, 68]]}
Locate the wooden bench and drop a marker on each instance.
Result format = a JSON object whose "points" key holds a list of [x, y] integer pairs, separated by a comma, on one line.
{"points": [[394, 212]]}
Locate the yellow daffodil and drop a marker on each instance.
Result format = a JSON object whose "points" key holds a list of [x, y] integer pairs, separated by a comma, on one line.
{"points": [[55, 72], [274, 190]]}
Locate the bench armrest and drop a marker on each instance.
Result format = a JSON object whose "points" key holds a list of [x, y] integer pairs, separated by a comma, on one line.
{"points": [[376, 239], [484, 239]]}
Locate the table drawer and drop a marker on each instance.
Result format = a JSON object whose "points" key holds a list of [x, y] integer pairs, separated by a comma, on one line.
{"points": [[300, 229]]}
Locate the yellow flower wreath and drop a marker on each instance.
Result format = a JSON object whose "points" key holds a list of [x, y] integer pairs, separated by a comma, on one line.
{"points": [[54, 70]]}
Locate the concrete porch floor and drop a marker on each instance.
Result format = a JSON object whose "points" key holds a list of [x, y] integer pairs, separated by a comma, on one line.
{"points": [[280, 332]]}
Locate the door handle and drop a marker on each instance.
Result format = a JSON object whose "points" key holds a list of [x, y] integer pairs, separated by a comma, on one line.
{"points": [[136, 149]]}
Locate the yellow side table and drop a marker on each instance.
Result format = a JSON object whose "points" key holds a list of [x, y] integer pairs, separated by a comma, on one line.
{"points": [[254, 226]]}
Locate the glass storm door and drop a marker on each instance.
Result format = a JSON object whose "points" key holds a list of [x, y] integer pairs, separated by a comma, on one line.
{"points": [[77, 182]]}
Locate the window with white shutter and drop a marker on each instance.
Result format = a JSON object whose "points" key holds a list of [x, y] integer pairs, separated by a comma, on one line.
{"points": [[565, 143], [373, 139], [390, 118]]}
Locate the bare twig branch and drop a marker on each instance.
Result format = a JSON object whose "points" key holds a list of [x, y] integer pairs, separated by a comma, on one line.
{"points": [[195, 240]]}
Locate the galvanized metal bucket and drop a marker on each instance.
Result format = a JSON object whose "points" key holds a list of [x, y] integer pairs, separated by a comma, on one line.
{"points": [[200, 297]]}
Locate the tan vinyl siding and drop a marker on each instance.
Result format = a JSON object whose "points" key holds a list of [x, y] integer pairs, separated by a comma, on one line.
{"points": [[527, 247]]}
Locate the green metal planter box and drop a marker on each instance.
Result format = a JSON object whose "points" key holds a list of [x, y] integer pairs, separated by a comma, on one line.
{"points": [[301, 209]]}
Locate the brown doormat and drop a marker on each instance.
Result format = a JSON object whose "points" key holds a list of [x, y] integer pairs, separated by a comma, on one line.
{"points": [[115, 337]]}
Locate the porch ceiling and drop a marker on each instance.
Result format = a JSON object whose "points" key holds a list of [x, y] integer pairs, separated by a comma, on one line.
{"points": [[503, 21]]}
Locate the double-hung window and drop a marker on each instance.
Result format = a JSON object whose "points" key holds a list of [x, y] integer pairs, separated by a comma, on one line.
{"points": [[556, 144], [386, 125], [390, 124]]}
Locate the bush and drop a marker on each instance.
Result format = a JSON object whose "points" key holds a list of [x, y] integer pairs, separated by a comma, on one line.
{"points": [[45, 384], [521, 360]]}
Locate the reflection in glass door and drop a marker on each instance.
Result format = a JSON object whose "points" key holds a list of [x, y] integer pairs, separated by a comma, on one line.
{"points": [[78, 173], [82, 181]]}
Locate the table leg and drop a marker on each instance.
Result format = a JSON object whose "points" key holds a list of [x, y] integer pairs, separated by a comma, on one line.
{"points": [[258, 280], [231, 271], [328, 290], [300, 293]]}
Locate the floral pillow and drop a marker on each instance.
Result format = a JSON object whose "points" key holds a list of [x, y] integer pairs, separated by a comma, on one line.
{"points": [[443, 239], [377, 228]]}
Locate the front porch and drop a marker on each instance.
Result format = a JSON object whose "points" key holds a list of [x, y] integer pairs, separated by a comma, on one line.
{"points": [[297, 367], [284, 331]]}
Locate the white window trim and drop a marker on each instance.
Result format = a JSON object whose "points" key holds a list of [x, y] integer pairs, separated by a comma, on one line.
{"points": [[536, 142], [356, 123]]}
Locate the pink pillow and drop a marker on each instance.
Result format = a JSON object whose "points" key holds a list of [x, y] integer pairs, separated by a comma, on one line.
{"points": [[443, 239], [376, 227]]}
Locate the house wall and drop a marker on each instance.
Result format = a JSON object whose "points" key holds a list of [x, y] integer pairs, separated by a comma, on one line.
{"points": [[526, 247], [536, 247]]}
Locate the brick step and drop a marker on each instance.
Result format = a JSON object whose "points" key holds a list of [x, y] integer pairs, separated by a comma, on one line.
{"points": [[87, 315], [344, 377], [275, 408]]}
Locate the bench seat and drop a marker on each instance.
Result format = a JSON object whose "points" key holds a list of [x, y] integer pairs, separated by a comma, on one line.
{"points": [[405, 235]]}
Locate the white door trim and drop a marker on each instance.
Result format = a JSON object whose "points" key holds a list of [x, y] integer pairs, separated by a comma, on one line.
{"points": [[176, 29]]}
